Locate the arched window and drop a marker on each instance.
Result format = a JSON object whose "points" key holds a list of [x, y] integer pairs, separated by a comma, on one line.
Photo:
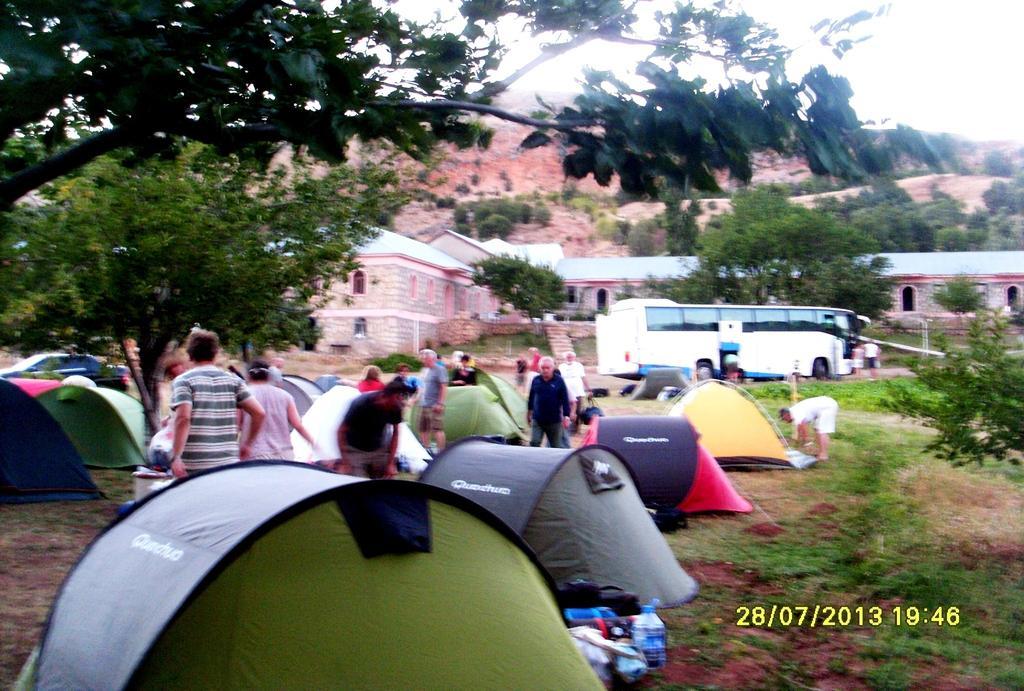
{"points": [[570, 295], [359, 282], [1013, 296], [907, 299], [359, 327], [602, 298]]}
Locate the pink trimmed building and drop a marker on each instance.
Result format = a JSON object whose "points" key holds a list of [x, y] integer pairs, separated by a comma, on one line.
{"points": [[399, 298]]}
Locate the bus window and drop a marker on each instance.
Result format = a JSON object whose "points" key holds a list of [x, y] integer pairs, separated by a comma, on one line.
{"points": [[826, 322], [802, 320], [736, 314], [771, 320], [845, 324], [700, 319], [664, 319]]}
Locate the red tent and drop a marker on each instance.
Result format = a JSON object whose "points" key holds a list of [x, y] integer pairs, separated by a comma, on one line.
{"points": [[34, 387], [670, 467]]}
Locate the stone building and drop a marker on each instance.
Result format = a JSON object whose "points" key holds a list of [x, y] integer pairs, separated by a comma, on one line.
{"points": [[398, 299], [593, 284], [408, 294], [998, 277]]}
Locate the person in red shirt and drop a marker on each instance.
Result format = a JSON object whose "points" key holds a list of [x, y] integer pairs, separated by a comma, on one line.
{"points": [[371, 380]]}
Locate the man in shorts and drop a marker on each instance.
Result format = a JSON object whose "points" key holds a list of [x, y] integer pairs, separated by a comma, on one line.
{"points": [[434, 389], [822, 412]]}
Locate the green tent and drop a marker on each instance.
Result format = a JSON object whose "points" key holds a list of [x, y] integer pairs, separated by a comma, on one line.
{"points": [[473, 411], [107, 427], [511, 400], [282, 575]]}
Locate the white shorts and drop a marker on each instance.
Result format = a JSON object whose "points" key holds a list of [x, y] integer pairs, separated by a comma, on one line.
{"points": [[826, 422]]}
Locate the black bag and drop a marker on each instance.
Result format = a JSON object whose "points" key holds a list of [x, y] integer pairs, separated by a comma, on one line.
{"points": [[598, 392], [586, 594], [589, 412]]}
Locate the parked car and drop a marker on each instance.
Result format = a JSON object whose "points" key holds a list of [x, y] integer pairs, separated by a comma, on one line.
{"points": [[60, 365]]}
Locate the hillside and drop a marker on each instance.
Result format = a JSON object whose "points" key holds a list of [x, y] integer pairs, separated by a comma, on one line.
{"points": [[506, 170]]}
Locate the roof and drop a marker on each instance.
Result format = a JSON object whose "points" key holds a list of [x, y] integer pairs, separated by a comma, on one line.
{"points": [[624, 268], [393, 243], [954, 263], [538, 254], [465, 238]]}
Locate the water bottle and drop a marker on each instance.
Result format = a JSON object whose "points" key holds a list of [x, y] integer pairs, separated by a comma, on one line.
{"points": [[649, 636]]}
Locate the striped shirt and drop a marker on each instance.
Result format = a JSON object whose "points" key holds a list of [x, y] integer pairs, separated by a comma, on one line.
{"points": [[213, 434]]}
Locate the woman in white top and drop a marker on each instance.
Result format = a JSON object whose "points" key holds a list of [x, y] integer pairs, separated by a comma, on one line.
{"points": [[273, 442]]}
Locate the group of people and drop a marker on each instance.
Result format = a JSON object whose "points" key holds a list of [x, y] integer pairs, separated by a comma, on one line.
{"points": [[218, 419]]}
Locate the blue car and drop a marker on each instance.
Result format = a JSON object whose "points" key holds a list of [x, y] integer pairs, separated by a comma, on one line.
{"points": [[64, 365]]}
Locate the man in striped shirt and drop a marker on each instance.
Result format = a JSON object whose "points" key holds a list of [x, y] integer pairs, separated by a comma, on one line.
{"points": [[204, 400]]}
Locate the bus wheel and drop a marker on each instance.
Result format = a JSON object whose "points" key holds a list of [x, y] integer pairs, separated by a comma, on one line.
{"points": [[820, 369], [704, 370]]}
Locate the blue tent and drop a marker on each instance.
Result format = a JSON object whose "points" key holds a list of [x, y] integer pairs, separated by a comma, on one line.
{"points": [[37, 460]]}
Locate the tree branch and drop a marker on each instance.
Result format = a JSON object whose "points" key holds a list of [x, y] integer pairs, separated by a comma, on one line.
{"points": [[21, 183], [443, 104], [547, 53]]}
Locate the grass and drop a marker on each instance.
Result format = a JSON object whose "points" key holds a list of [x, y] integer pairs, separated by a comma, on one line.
{"points": [[883, 524]]}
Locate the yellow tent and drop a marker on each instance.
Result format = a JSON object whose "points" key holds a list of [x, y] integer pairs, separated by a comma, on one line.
{"points": [[734, 428]]}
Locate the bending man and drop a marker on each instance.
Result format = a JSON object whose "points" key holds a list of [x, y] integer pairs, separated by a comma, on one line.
{"points": [[821, 411]]}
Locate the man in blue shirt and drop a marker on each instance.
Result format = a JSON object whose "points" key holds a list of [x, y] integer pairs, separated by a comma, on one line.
{"points": [[548, 409]]}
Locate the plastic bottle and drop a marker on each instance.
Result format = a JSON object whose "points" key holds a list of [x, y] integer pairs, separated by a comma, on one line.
{"points": [[649, 636]]}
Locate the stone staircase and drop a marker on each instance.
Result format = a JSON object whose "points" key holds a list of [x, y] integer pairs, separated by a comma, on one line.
{"points": [[558, 338]]}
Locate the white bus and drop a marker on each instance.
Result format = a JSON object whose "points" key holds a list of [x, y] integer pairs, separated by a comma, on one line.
{"points": [[770, 341]]}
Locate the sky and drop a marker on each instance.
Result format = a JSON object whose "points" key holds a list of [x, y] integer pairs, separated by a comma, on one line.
{"points": [[936, 65]]}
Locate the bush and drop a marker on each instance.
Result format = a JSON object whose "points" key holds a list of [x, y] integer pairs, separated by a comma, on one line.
{"points": [[542, 214], [494, 225], [391, 362], [462, 188], [446, 202]]}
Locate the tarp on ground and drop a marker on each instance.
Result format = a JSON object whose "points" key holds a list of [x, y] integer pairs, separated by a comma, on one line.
{"points": [[735, 429], [304, 391], [670, 466], [473, 411], [107, 427], [37, 460], [577, 508], [283, 575], [323, 419]]}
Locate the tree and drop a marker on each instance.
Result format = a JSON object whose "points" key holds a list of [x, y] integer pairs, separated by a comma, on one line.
{"points": [[769, 248], [974, 397], [92, 76], [147, 252], [532, 289], [680, 224], [959, 295]]}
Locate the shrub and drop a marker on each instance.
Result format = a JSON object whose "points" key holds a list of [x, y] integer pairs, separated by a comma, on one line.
{"points": [[446, 202], [542, 214], [494, 225], [462, 188], [392, 361]]}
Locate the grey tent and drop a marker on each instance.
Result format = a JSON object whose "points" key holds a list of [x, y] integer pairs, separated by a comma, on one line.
{"points": [[578, 509], [282, 575], [656, 379], [302, 390]]}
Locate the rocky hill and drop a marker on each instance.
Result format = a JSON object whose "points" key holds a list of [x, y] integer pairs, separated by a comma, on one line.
{"points": [[504, 169]]}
